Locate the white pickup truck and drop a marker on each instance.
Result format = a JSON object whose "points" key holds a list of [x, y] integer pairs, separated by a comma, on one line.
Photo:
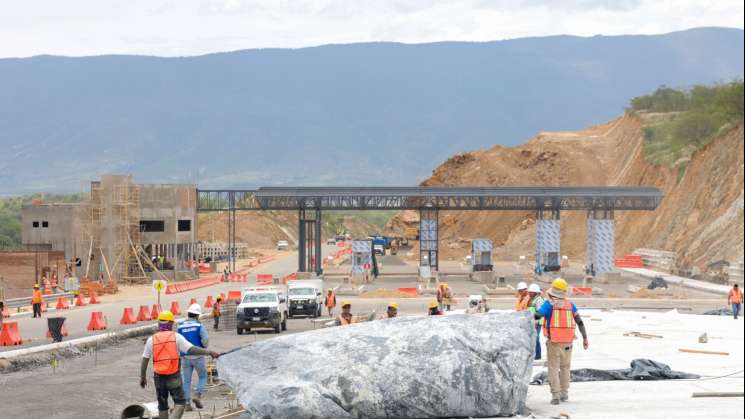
{"points": [[306, 297], [262, 307]]}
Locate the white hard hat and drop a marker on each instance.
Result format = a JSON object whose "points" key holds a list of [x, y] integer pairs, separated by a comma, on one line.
{"points": [[195, 309], [522, 286], [534, 288]]}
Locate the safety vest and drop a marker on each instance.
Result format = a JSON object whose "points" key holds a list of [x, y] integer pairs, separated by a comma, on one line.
{"points": [[344, 322], [535, 305], [522, 303], [36, 297], [165, 353], [560, 327], [191, 330], [735, 296], [330, 300]]}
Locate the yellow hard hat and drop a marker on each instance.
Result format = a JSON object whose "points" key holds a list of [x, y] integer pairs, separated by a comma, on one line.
{"points": [[165, 316], [433, 304], [36, 285], [218, 298], [346, 303], [331, 290], [560, 284], [393, 305]]}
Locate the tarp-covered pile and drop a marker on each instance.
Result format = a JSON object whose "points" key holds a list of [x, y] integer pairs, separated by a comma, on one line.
{"points": [[641, 369], [410, 367]]}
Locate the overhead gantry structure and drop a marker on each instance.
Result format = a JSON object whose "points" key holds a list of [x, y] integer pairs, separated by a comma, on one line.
{"points": [[600, 203]]}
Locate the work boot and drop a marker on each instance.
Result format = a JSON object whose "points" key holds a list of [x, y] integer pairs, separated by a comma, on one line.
{"points": [[564, 398], [555, 401], [198, 400], [188, 408], [162, 414], [178, 411]]}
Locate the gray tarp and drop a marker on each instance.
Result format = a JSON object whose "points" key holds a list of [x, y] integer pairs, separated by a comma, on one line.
{"points": [[411, 367], [641, 369]]}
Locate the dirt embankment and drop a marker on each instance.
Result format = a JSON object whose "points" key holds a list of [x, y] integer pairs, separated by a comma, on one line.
{"points": [[700, 218]]}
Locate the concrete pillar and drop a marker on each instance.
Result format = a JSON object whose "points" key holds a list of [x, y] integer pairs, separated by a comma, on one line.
{"points": [[600, 241], [547, 239], [428, 238]]}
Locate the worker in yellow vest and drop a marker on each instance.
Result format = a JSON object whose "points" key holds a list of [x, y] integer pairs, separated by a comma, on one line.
{"points": [[163, 348], [561, 318]]}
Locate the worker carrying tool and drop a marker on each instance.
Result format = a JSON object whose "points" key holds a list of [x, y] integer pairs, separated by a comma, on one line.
{"points": [[561, 318], [536, 301], [37, 299], [434, 309], [392, 311], [164, 347], [216, 311], [735, 299], [193, 330], [522, 297], [346, 317], [330, 302]]}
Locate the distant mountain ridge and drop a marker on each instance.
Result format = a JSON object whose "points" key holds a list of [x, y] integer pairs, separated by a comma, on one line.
{"points": [[373, 113]]}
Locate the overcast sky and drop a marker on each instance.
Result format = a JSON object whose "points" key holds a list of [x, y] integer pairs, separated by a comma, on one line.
{"points": [[192, 27]]}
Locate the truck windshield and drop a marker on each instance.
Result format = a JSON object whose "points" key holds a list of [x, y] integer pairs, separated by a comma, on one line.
{"points": [[301, 291], [260, 298]]}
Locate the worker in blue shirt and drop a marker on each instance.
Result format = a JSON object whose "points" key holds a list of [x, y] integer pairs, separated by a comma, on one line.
{"points": [[194, 332]]}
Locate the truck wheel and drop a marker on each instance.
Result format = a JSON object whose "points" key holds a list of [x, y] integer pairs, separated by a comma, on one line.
{"points": [[284, 324], [278, 328], [239, 330]]}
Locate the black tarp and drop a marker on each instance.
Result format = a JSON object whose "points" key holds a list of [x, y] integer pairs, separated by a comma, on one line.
{"points": [[641, 369], [720, 312], [657, 282]]}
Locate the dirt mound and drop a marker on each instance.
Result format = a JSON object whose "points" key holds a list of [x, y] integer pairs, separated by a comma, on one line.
{"points": [[700, 218]]}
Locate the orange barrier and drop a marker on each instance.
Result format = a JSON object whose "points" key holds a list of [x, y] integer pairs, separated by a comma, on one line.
{"points": [[79, 301], [175, 308], [208, 303], [629, 261], [128, 316], [44, 307], [192, 285], [582, 291], [143, 315], [409, 291], [192, 301], [266, 259], [9, 335], [62, 304], [6, 313], [289, 277], [264, 279], [98, 321], [240, 276], [234, 295], [93, 299], [63, 330], [155, 312]]}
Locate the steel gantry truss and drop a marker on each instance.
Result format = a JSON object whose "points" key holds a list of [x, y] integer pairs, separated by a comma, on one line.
{"points": [[310, 201]]}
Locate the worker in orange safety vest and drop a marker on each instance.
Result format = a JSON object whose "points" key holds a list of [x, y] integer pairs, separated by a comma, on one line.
{"points": [[163, 348], [330, 302], [523, 298], [345, 318], [561, 318], [735, 299], [37, 299]]}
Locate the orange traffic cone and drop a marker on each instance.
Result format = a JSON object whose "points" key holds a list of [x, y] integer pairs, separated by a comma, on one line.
{"points": [[143, 315], [9, 335], [155, 312], [128, 316], [79, 301], [209, 303], [192, 301], [175, 308], [98, 321], [93, 299], [62, 303], [63, 330]]}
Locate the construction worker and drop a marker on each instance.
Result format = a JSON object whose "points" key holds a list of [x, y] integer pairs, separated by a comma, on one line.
{"points": [[561, 318], [37, 299], [536, 301], [46, 284], [392, 310], [735, 299], [330, 302], [216, 311], [444, 297], [197, 335], [434, 309], [346, 317], [473, 306], [164, 347], [522, 297]]}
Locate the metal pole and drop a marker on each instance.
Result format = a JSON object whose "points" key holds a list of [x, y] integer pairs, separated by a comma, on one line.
{"points": [[301, 241], [319, 255]]}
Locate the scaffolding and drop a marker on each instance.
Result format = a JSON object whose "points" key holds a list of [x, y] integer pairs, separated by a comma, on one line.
{"points": [[90, 233], [126, 220]]}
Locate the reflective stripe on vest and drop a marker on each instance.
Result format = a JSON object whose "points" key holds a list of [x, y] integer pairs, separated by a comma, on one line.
{"points": [[191, 330], [165, 353], [560, 329]]}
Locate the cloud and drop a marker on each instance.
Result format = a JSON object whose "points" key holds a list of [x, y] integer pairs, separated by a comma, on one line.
{"points": [[191, 27]]}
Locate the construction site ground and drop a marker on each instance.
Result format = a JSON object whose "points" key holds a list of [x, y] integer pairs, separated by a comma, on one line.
{"points": [[102, 382]]}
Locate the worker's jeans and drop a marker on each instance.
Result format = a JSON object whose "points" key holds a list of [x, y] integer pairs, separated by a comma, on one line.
{"points": [[168, 384], [537, 341], [559, 365], [187, 368], [736, 310], [37, 309]]}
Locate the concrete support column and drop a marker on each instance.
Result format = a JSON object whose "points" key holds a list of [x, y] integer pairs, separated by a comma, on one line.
{"points": [[428, 238], [309, 241], [600, 241], [547, 240]]}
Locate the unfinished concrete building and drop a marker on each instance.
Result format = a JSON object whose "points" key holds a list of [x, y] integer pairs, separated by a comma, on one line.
{"points": [[120, 230]]}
